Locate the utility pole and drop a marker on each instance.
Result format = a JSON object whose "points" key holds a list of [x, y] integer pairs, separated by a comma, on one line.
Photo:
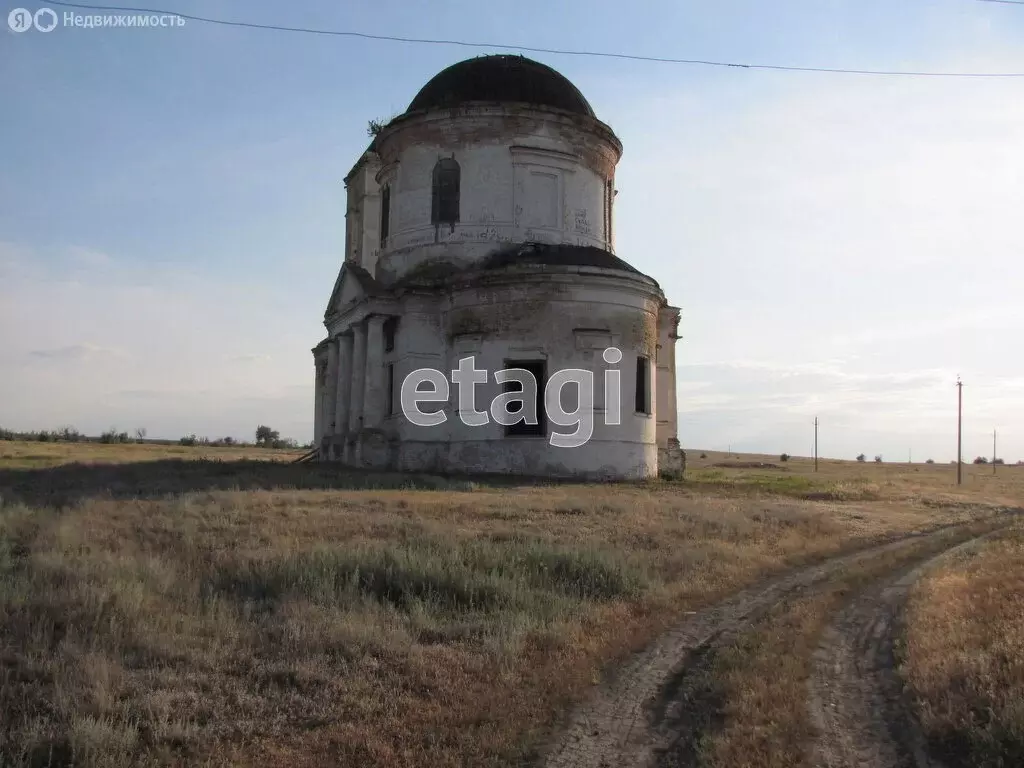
{"points": [[815, 443], [959, 429]]}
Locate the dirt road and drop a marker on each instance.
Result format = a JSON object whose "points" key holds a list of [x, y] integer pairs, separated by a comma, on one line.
{"points": [[655, 710]]}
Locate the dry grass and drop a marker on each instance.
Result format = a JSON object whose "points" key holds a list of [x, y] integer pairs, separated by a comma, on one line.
{"points": [[964, 659], [855, 481], [191, 612]]}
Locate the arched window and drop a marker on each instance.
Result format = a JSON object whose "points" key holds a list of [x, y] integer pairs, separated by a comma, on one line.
{"points": [[445, 206]]}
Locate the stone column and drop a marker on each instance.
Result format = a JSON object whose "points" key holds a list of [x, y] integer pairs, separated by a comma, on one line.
{"points": [[344, 390], [668, 319], [332, 383], [318, 403], [673, 410], [355, 415], [375, 392]]}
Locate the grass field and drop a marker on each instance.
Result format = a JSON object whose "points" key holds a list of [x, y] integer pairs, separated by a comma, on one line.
{"points": [[176, 606], [28, 455], [964, 656]]}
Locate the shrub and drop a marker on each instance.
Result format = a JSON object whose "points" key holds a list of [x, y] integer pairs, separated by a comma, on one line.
{"points": [[703, 455], [930, 461], [980, 460], [188, 440], [878, 459], [374, 127], [113, 436], [862, 457], [784, 457]]}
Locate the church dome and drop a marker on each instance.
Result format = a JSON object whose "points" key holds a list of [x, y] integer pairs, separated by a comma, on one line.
{"points": [[500, 78]]}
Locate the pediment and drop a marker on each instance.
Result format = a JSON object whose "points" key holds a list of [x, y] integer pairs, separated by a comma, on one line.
{"points": [[352, 286]]}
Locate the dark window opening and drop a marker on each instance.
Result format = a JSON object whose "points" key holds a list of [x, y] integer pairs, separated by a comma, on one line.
{"points": [[609, 199], [521, 429], [608, 212], [385, 215], [643, 385], [445, 205], [390, 331], [391, 389]]}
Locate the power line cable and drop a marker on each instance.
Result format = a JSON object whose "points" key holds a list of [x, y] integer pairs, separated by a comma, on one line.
{"points": [[530, 49]]}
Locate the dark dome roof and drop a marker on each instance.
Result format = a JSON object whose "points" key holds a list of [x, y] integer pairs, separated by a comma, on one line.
{"points": [[500, 79]]}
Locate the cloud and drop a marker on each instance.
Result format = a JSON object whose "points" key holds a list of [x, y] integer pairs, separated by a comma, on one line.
{"points": [[168, 349], [76, 352], [88, 257], [840, 247]]}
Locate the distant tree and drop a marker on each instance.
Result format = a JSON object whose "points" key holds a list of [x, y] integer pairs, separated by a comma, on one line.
{"points": [[980, 460], [703, 455], [878, 459], [784, 457], [140, 434], [861, 457], [69, 434], [188, 440], [266, 436], [930, 461], [998, 461]]}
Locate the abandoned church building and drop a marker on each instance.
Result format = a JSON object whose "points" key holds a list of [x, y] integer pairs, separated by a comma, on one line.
{"points": [[480, 223]]}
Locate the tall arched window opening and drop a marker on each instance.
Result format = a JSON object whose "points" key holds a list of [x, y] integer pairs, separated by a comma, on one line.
{"points": [[445, 206]]}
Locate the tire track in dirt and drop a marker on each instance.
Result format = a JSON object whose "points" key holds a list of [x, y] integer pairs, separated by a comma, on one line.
{"points": [[654, 708], [856, 699]]}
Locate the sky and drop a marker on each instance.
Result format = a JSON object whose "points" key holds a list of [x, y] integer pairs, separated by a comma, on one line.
{"points": [[842, 246]]}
